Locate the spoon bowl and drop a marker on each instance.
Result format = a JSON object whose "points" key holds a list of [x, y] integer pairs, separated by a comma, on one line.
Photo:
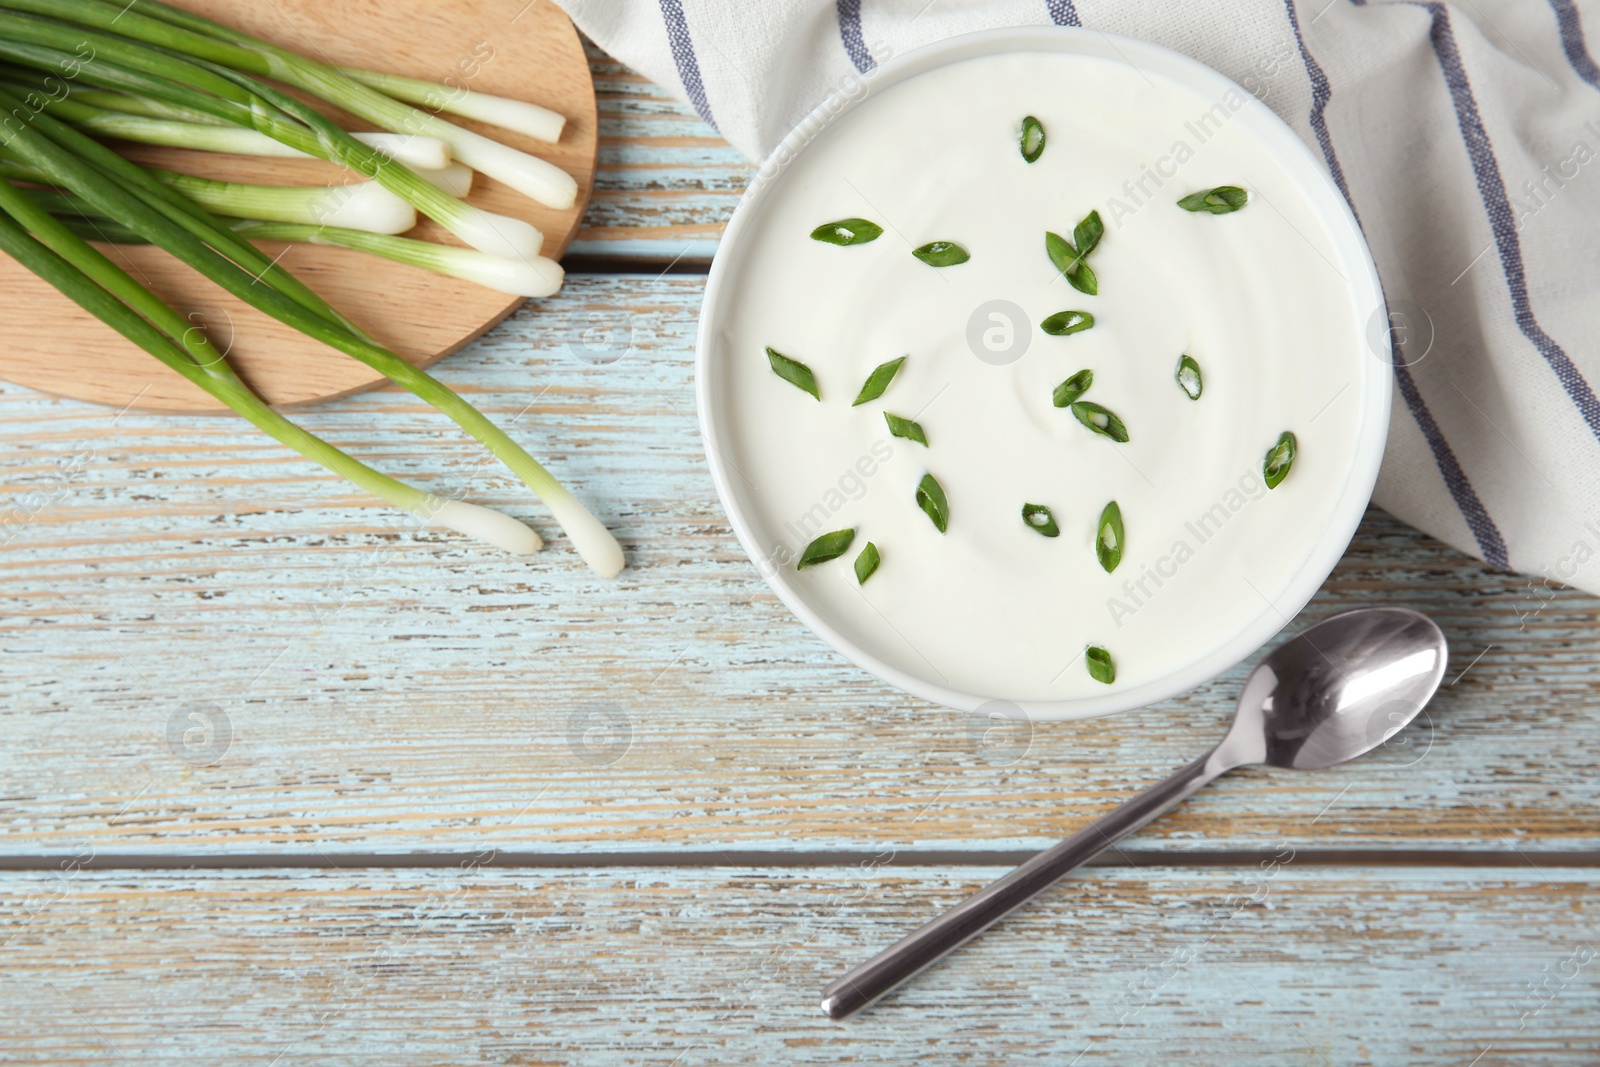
{"points": [[1331, 693], [1337, 690]]}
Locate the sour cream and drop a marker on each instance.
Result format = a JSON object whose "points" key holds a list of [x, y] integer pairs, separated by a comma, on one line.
{"points": [[1260, 298]]}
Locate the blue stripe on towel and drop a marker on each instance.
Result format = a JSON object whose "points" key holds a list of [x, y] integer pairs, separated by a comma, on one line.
{"points": [[1063, 12], [855, 45], [1572, 42], [1492, 190], [1321, 93], [1490, 541], [683, 55]]}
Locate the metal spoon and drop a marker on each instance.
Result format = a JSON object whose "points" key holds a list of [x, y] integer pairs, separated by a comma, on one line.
{"points": [[1338, 690]]}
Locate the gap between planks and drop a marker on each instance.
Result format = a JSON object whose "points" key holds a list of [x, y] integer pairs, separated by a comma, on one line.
{"points": [[626, 265], [759, 858]]}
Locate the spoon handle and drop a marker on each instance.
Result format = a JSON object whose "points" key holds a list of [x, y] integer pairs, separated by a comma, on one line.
{"points": [[906, 957]]}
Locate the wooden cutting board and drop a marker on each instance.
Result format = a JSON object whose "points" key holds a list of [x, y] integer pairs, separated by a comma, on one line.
{"points": [[514, 48]]}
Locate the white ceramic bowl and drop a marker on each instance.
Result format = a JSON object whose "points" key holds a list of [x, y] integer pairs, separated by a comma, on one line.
{"points": [[1374, 388]]}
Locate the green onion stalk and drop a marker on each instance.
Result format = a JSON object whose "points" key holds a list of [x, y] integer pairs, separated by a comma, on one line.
{"points": [[535, 278], [542, 277], [106, 291], [519, 116], [120, 63], [47, 144], [128, 104], [169, 204], [375, 99], [360, 206], [233, 199], [192, 35], [92, 229], [109, 115]]}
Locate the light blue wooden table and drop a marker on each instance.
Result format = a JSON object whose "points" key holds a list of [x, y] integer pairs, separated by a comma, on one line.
{"points": [[462, 808]]}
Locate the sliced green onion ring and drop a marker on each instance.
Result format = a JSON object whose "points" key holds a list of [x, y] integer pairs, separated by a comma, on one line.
{"points": [[1086, 235], [1032, 140], [1072, 388], [931, 499], [1223, 200], [793, 371], [829, 546], [1063, 323], [941, 254], [1039, 519], [907, 428], [1101, 668], [1280, 457], [1188, 377], [847, 232], [878, 381], [866, 563], [1108, 538], [1101, 420]]}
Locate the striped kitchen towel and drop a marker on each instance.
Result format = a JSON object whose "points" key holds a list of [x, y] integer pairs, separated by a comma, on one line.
{"points": [[1465, 139]]}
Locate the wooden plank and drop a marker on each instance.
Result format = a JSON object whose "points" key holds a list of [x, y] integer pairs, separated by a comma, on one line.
{"points": [[666, 182], [393, 688], [1282, 965]]}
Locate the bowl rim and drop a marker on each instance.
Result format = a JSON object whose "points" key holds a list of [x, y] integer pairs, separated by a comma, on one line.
{"points": [[1314, 181]]}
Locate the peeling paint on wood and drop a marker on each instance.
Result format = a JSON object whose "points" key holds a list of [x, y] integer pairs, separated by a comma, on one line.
{"points": [[662, 967], [666, 183]]}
